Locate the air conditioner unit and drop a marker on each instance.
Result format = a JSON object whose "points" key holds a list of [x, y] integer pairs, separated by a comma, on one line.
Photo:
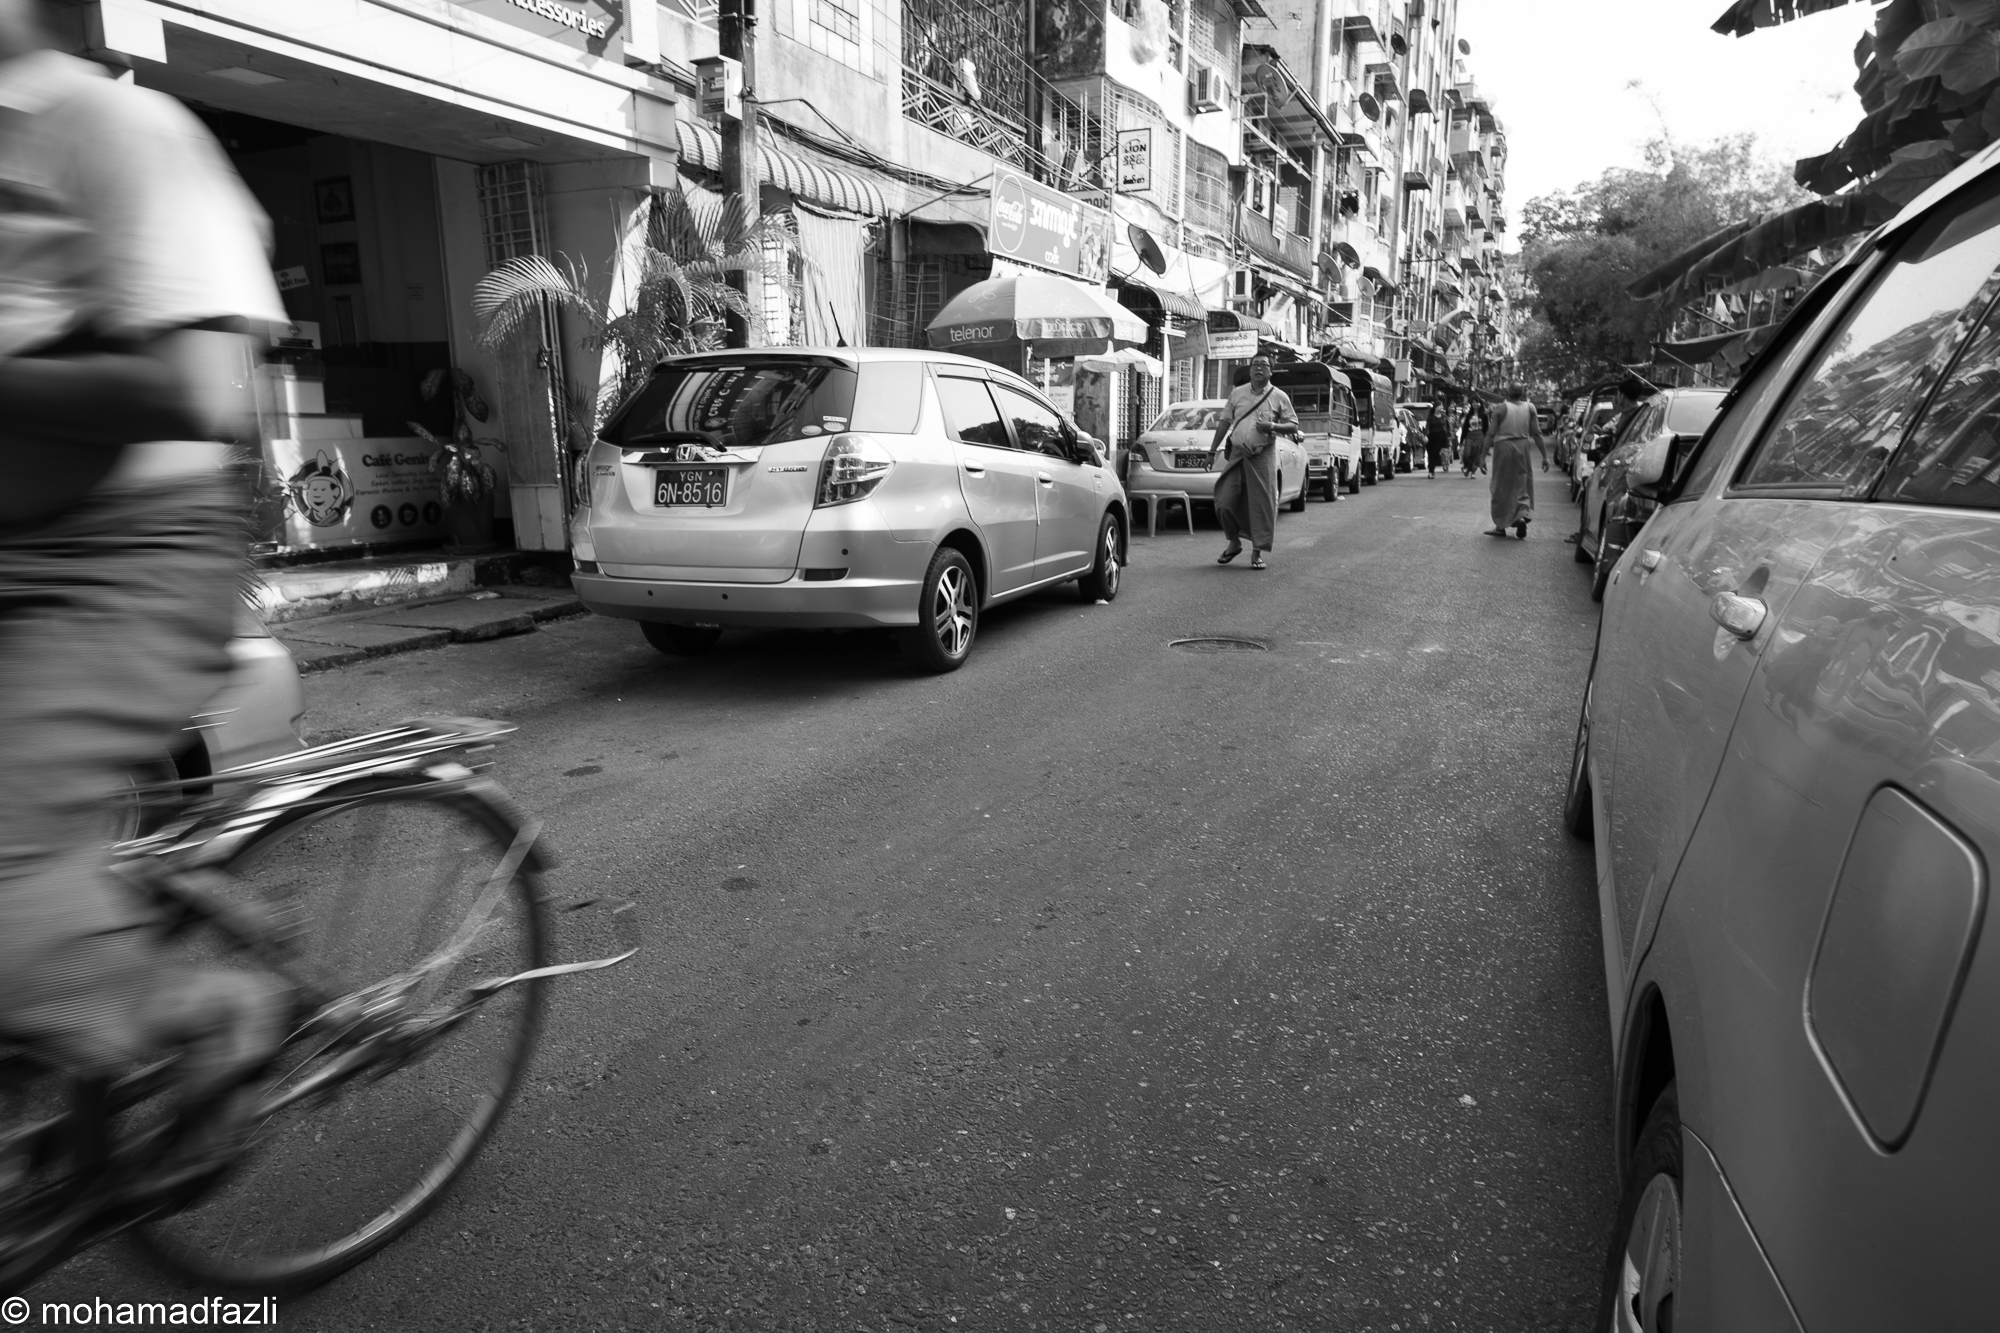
{"points": [[1241, 284], [1206, 90]]}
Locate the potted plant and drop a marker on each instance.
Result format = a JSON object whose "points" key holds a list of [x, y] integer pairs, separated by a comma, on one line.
{"points": [[466, 481]]}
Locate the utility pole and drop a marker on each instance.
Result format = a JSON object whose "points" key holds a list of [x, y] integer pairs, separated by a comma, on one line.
{"points": [[736, 22]]}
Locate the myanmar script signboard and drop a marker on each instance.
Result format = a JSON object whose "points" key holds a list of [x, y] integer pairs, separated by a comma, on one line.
{"points": [[596, 26], [1032, 224]]}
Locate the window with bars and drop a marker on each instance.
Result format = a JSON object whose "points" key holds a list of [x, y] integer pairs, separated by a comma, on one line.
{"points": [[511, 220], [1208, 203], [842, 18]]}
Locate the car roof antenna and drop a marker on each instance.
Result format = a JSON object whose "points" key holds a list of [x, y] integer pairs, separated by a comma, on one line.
{"points": [[840, 338]]}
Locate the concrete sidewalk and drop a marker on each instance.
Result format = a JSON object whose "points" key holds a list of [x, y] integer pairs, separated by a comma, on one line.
{"points": [[323, 642]]}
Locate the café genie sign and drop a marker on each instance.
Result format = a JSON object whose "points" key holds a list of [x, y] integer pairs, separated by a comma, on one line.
{"points": [[1032, 224]]}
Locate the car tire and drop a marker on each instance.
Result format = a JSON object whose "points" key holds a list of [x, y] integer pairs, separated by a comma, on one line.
{"points": [[1643, 1269], [1354, 481], [1581, 556], [1577, 809], [947, 615], [681, 640], [1298, 505], [1101, 583], [1330, 485]]}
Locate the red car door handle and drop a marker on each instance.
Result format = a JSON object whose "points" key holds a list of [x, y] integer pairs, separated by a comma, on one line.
{"points": [[1741, 616]]}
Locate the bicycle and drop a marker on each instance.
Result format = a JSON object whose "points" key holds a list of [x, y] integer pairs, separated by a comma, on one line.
{"points": [[396, 890]]}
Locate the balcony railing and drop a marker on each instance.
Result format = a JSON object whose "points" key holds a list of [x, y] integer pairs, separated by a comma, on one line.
{"points": [[930, 103]]}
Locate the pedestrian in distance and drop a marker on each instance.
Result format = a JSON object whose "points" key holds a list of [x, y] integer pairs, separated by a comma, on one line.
{"points": [[1475, 443], [1246, 494], [1511, 427], [1439, 441]]}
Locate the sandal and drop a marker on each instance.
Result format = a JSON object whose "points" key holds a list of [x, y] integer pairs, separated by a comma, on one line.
{"points": [[1521, 530], [1496, 532], [1229, 555], [1257, 560]]}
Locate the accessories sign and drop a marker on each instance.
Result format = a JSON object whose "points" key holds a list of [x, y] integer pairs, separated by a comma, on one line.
{"points": [[1033, 224]]}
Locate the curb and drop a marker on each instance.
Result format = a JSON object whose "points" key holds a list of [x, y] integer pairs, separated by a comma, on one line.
{"points": [[326, 643]]}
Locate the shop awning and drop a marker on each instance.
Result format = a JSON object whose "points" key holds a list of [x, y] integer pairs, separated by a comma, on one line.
{"points": [[1169, 300], [1235, 321], [1694, 351], [792, 171]]}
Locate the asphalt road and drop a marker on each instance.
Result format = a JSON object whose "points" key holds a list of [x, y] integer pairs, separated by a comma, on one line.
{"points": [[1099, 986]]}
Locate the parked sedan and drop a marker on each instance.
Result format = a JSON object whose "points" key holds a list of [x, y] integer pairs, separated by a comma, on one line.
{"points": [[1789, 760], [823, 488], [1660, 432], [1173, 454]]}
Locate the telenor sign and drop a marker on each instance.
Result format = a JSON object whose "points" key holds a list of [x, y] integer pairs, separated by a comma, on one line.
{"points": [[1032, 224]]}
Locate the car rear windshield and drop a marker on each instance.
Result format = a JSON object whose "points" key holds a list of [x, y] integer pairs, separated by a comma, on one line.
{"points": [[763, 399], [1189, 418], [1691, 415]]}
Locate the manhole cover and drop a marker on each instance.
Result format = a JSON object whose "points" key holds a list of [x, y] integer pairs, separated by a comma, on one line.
{"points": [[1222, 644]]}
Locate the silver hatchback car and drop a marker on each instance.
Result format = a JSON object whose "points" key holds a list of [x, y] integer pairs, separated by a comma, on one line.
{"points": [[830, 488]]}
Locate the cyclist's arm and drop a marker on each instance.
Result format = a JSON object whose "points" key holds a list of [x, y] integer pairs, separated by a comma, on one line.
{"points": [[185, 384]]}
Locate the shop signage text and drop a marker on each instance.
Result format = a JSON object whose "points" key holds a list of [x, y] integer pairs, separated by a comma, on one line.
{"points": [[1135, 159], [1036, 225], [596, 26], [1233, 345], [563, 14]]}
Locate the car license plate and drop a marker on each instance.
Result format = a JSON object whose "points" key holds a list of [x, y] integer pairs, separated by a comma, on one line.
{"points": [[1194, 460], [705, 486]]}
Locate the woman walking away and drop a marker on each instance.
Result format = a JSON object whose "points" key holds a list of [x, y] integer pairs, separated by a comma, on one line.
{"points": [[1438, 438], [1246, 494], [1511, 428]]}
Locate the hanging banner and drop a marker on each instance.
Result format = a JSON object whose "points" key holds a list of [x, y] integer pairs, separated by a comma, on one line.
{"points": [[1135, 160], [1036, 225]]}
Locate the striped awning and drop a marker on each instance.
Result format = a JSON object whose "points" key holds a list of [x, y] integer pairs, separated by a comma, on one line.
{"points": [[811, 180]]}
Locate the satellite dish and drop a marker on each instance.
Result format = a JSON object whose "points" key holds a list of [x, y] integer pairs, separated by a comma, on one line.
{"points": [[1145, 247], [1369, 106], [1464, 47], [1272, 82]]}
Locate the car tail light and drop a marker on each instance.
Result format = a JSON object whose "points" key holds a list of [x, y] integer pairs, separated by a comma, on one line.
{"points": [[853, 467], [580, 474]]}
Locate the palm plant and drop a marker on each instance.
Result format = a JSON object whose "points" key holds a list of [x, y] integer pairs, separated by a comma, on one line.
{"points": [[680, 292]]}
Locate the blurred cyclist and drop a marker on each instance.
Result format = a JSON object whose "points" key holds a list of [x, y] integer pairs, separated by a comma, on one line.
{"points": [[132, 270]]}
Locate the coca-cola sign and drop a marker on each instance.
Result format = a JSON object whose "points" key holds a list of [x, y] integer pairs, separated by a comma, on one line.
{"points": [[1033, 224]]}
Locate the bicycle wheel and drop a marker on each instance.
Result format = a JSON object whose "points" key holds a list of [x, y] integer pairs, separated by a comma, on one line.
{"points": [[373, 885]]}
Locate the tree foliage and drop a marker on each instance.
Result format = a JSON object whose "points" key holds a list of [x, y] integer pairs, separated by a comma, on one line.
{"points": [[1583, 248]]}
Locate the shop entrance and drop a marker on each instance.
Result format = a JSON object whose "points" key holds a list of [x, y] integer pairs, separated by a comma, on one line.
{"points": [[359, 259]]}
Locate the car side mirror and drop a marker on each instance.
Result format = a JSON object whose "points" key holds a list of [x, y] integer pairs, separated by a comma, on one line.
{"points": [[1649, 464]]}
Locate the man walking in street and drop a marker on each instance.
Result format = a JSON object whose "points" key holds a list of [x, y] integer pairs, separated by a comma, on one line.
{"points": [[1511, 427], [1246, 494]]}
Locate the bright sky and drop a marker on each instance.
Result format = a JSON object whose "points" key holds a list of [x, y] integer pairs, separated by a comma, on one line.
{"points": [[1560, 72]]}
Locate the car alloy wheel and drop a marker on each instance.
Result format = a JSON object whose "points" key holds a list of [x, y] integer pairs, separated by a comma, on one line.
{"points": [[951, 614], [947, 614], [1101, 583]]}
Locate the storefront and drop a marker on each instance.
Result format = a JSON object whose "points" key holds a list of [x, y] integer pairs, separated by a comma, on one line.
{"points": [[401, 155]]}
